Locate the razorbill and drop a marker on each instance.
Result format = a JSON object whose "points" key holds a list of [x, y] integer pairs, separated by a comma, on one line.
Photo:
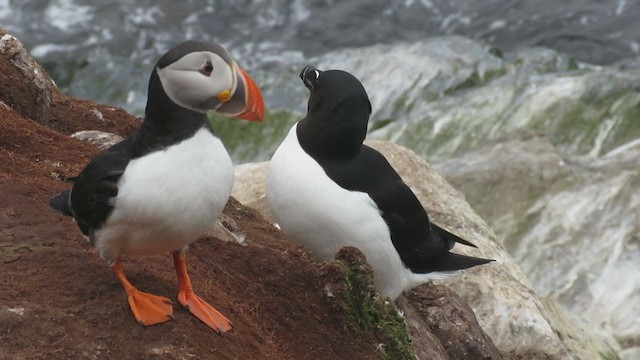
{"points": [[327, 190], [160, 189]]}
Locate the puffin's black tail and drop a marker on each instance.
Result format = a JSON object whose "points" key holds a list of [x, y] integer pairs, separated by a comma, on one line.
{"points": [[60, 203]]}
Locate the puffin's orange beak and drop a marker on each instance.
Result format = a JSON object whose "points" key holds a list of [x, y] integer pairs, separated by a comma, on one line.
{"points": [[246, 102], [254, 110]]}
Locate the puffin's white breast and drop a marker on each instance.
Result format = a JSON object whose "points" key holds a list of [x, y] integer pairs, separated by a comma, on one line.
{"points": [[168, 198], [315, 212]]}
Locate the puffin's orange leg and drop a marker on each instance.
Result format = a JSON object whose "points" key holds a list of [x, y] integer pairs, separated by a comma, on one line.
{"points": [[198, 307], [147, 308]]}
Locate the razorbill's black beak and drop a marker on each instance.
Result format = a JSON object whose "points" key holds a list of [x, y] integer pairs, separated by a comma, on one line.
{"points": [[310, 76]]}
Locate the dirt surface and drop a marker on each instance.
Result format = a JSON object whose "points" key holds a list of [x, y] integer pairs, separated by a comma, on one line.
{"points": [[59, 300]]}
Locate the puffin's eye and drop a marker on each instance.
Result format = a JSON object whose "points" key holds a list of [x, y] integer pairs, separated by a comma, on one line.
{"points": [[207, 68]]}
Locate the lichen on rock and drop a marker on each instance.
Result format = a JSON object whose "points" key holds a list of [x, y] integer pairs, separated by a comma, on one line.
{"points": [[350, 288]]}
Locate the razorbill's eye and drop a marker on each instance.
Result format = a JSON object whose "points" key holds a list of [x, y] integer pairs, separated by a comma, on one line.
{"points": [[310, 77], [207, 68]]}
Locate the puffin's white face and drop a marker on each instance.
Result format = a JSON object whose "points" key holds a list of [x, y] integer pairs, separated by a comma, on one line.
{"points": [[199, 81]]}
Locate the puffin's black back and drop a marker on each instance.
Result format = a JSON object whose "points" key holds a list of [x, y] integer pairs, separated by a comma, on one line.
{"points": [[165, 124], [333, 132]]}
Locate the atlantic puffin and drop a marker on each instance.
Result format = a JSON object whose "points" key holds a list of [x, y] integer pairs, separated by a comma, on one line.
{"points": [[160, 189], [328, 190]]}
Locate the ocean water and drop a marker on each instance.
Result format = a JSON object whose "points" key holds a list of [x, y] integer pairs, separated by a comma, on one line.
{"points": [[104, 50]]}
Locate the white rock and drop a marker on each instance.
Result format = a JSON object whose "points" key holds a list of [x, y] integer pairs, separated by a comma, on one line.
{"points": [[101, 139], [571, 223], [250, 187]]}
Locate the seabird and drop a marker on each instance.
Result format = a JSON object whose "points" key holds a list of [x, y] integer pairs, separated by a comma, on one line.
{"points": [[160, 189], [328, 190]]}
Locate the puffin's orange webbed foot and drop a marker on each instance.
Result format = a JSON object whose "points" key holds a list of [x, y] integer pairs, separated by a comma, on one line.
{"points": [[203, 311], [148, 309], [198, 307]]}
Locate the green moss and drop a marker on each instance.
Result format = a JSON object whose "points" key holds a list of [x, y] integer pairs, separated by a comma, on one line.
{"points": [[405, 102], [593, 121], [628, 109], [600, 114], [572, 65], [64, 73], [394, 334], [252, 141], [361, 302], [379, 124], [369, 312], [609, 355], [496, 52], [477, 79]]}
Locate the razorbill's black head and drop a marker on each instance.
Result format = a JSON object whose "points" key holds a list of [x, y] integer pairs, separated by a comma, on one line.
{"points": [[328, 190], [337, 113], [160, 189]]}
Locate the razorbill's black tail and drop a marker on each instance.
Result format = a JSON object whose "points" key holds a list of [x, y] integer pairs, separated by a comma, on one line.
{"points": [[60, 203], [449, 262], [451, 238]]}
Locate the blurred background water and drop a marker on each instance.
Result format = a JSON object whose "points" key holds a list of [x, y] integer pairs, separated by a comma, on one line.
{"points": [[530, 108], [105, 50]]}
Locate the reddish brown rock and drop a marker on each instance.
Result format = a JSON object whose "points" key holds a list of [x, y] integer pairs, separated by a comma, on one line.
{"points": [[451, 320], [24, 84]]}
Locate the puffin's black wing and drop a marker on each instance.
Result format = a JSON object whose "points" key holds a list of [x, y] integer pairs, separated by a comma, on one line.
{"points": [[423, 246], [60, 203], [90, 200]]}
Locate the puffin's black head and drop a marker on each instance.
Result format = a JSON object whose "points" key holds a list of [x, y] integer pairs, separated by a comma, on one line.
{"points": [[337, 113], [201, 76]]}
